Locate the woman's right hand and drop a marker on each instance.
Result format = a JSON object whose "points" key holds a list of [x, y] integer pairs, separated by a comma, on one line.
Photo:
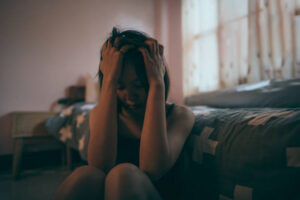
{"points": [[112, 60]]}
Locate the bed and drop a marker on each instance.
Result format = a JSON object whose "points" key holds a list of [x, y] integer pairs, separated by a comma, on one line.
{"points": [[236, 149]]}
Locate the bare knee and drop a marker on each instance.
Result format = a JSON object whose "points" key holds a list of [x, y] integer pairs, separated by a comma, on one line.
{"points": [[86, 175], [85, 181], [126, 181], [123, 169], [89, 173], [122, 172]]}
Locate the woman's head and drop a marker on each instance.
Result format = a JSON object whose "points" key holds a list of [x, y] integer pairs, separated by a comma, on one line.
{"points": [[133, 58]]}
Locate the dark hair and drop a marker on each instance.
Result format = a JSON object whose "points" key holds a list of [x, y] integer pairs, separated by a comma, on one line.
{"points": [[137, 39]]}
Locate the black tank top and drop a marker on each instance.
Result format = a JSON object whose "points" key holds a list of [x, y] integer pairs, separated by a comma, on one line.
{"points": [[128, 151], [128, 148]]}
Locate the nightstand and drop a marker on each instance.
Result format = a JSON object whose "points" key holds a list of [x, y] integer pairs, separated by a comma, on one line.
{"points": [[29, 127]]}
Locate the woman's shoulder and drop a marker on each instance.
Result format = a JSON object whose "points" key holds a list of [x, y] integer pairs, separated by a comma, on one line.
{"points": [[180, 113], [178, 109]]}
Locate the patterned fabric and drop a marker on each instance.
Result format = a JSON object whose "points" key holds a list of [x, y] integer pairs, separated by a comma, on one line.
{"points": [[252, 153], [71, 126]]}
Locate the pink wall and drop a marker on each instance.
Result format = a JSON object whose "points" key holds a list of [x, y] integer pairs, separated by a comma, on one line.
{"points": [[46, 46], [175, 50], [168, 32]]}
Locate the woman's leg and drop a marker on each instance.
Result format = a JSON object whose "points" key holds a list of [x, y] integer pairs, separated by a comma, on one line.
{"points": [[85, 182], [127, 181]]}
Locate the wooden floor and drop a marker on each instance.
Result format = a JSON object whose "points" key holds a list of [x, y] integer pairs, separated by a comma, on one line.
{"points": [[40, 175], [33, 184]]}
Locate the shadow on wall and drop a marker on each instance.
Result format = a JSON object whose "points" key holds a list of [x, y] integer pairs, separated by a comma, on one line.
{"points": [[72, 94]]}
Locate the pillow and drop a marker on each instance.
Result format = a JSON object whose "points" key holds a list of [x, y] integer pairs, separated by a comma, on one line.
{"points": [[92, 89], [270, 93]]}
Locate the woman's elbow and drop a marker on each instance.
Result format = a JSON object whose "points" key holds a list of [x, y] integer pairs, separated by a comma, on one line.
{"points": [[154, 176], [153, 173], [105, 167]]}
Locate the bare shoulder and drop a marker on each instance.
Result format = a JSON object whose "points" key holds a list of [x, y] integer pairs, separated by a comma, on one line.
{"points": [[181, 112], [93, 112], [182, 118]]}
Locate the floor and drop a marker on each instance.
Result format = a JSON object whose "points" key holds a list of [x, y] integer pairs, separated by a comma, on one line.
{"points": [[33, 184]]}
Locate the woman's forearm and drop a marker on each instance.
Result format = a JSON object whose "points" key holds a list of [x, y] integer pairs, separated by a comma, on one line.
{"points": [[102, 148], [154, 143]]}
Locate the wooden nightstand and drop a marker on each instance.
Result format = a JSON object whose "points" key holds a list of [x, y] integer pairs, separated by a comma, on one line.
{"points": [[29, 127]]}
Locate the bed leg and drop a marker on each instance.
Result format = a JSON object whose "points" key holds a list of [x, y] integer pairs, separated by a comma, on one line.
{"points": [[69, 157], [18, 151]]}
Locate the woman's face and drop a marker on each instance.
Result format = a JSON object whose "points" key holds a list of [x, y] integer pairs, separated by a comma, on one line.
{"points": [[130, 90]]}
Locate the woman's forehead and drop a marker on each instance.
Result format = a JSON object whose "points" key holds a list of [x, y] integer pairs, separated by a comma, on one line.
{"points": [[128, 73]]}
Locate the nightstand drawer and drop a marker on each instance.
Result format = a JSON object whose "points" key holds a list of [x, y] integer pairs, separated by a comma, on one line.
{"points": [[30, 124]]}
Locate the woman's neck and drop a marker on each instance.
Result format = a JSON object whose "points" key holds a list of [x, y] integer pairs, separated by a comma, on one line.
{"points": [[138, 116]]}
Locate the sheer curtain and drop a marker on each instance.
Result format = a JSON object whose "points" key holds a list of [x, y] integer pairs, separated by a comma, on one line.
{"points": [[232, 42], [200, 45]]}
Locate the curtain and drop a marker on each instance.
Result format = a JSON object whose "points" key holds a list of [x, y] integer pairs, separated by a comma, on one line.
{"points": [[231, 42]]}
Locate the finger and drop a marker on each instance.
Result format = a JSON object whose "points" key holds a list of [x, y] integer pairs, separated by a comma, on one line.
{"points": [[111, 46], [145, 53], [113, 49], [125, 48], [101, 56], [109, 43], [105, 44], [165, 69], [150, 45], [117, 43], [104, 47], [161, 49], [156, 47]]}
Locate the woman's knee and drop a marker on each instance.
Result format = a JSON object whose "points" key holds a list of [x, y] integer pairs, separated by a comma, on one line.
{"points": [[88, 173], [126, 181], [124, 172], [89, 170], [82, 182]]}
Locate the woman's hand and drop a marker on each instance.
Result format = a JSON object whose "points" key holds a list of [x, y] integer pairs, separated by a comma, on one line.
{"points": [[112, 60], [154, 62]]}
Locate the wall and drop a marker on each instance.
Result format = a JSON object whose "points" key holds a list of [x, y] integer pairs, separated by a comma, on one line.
{"points": [[175, 51], [46, 46], [168, 32]]}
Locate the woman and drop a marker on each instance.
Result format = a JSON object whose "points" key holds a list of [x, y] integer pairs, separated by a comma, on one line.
{"points": [[135, 136]]}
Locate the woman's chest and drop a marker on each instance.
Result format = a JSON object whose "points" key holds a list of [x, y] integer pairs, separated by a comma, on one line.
{"points": [[129, 128], [129, 134]]}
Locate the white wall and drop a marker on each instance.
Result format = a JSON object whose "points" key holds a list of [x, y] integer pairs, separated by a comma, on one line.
{"points": [[48, 45]]}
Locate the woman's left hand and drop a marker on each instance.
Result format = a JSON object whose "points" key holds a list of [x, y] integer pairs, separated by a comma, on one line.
{"points": [[154, 62]]}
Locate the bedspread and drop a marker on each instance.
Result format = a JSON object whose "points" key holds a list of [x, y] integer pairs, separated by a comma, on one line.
{"points": [[236, 153]]}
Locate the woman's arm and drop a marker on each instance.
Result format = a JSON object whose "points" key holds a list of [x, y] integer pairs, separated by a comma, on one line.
{"points": [[154, 147], [161, 141], [102, 148]]}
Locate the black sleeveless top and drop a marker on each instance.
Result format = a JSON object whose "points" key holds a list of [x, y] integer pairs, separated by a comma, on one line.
{"points": [[128, 151]]}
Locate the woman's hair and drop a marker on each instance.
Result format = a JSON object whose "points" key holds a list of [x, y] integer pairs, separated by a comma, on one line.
{"points": [[133, 56]]}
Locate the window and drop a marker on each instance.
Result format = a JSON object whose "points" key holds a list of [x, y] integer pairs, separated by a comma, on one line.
{"points": [[231, 42]]}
